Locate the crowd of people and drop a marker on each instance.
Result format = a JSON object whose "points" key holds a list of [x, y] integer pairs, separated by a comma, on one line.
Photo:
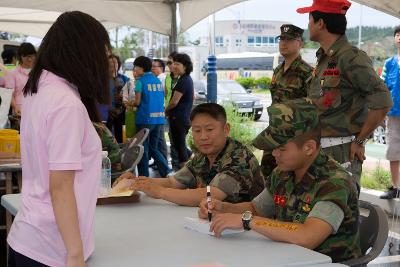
{"points": [[304, 192]]}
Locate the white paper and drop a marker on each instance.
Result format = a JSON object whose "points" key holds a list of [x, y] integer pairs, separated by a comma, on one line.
{"points": [[203, 226]]}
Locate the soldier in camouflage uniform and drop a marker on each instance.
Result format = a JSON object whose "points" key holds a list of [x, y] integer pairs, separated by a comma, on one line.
{"points": [[289, 79], [352, 98], [308, 199], [109, 144], [226, 165]]}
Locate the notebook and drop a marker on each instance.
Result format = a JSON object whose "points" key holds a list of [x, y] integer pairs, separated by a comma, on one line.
{"points": [[203, 226]]}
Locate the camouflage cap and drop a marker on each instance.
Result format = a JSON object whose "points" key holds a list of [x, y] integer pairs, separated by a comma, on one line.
{"points": [[291, 31], [287, 121]]}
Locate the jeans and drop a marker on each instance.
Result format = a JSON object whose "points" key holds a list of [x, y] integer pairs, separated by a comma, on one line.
{"points": [[150, 146]]}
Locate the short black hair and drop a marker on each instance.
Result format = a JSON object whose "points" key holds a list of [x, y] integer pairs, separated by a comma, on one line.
{"points": [[335, 23], [185, 60], [396, 30], [172, 54], [162, 64], [8, 55], [214, 110], [75, 48], [143, 62], [26, 49]]}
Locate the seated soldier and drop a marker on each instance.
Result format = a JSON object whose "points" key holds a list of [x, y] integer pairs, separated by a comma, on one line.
{"points": [[228, 166], [308, 200]]}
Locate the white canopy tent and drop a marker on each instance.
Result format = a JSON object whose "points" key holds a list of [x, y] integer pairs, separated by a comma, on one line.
{"points": [[155, 15]]}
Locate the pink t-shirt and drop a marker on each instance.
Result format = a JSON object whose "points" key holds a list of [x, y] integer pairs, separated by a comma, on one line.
{"points": [[56, 134], [16, 79]]}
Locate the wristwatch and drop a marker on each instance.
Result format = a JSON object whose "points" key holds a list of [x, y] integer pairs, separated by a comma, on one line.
{"points": [[246, 218], [360, 142]]}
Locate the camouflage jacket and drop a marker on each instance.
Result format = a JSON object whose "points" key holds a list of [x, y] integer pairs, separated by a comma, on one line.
{"points": [[108, 142], [290, 84], [347, 86], [235, 171], [325, 180]]}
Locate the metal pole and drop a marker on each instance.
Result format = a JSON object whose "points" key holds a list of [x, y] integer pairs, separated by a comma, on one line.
{"points": [[212, 63], [173, 38], [360, 27]]}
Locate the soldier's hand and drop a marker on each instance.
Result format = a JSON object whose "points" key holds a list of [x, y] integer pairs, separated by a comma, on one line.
{"points": [[357, 151], [126, 175], [215, 206], [148, 187], [220, 222]]}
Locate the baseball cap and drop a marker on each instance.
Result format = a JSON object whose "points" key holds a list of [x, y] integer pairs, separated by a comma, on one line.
{"points": [[287, 121], [291, 31], [327, 6]]}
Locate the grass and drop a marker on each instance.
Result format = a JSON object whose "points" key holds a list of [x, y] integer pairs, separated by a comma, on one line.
{"points": [[377, 178], [260, 91]]}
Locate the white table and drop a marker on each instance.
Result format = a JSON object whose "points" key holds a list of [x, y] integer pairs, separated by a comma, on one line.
{"points": [[151, 233]]}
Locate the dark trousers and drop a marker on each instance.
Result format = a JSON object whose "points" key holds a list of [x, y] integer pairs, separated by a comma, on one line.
{"points": [[150, 146], [162, 144], [16, 259], [178, 131], [115, 126]]}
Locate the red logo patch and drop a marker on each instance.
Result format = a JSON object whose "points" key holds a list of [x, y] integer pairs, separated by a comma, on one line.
{"points": [[280, 200]]}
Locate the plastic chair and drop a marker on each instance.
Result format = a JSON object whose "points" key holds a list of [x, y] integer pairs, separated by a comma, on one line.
{"points": [[374, 230], [130, 158]]}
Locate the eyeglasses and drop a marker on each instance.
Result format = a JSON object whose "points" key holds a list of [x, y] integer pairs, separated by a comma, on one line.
{"points": [[155, 66], [169, 62]]}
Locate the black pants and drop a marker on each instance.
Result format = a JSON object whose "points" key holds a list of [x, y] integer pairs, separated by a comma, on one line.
{"points": [[178, 132], [16, 259], [115, 125]]}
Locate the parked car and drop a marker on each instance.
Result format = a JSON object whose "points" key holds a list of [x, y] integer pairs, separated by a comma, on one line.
{"points": [[229, 91], [379, 134]]}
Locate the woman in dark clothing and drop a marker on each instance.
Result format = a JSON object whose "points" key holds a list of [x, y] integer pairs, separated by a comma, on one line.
{"points": [[180, 106]]}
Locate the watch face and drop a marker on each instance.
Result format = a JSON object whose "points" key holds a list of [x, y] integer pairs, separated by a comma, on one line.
{"points": [[247, 215]]}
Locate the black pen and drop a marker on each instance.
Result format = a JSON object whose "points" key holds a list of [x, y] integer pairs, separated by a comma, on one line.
{"points": [[208, 202]]}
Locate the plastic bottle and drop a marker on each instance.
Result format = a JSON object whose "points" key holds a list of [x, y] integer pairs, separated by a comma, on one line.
{"points": [[105, 180]]}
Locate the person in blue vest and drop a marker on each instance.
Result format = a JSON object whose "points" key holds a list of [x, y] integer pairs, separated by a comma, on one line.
{"points": [[149, 100], [391, 76]]}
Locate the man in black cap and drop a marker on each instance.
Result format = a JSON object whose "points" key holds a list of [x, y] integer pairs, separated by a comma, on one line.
{"points": [[288, 81]]}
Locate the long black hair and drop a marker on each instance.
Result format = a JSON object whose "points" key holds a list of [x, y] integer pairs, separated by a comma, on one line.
{"points": [[75, 48]]}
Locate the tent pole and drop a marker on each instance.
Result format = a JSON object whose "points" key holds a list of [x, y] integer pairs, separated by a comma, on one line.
{"points": [[173, 38]]}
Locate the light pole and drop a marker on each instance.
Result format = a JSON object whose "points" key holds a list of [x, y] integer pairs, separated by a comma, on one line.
{"points": [[212, 63]]}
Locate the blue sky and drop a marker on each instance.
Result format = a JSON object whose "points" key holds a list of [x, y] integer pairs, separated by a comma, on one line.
{"points": [[285, 10]]}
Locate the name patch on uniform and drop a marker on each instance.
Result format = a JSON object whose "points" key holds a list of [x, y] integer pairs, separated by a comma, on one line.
{"points": [[331, 72]]}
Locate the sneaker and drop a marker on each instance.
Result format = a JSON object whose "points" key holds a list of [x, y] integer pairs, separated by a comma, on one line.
{"points": [[391, 193]]}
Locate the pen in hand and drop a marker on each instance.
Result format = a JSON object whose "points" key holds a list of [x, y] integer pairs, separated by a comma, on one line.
{"points": [[208, 202]]}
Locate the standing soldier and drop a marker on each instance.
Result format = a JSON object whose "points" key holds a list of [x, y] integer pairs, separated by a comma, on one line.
{"points": [[288, 81], [353, 99]]}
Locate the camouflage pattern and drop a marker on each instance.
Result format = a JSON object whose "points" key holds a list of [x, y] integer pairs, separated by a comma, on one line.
{"points": [[291, 31], [346, 86], [290, 84], [325, 180], [109, 143], [287, 121], [235, 171]]}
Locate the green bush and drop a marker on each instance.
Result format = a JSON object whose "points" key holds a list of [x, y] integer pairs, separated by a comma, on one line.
{"points": [[378, 179], [263, 82], [241, 128], [247, 83]]}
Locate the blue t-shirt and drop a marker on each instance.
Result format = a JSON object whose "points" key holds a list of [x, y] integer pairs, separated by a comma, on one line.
{"points": [[185, 104], [391, 76]]}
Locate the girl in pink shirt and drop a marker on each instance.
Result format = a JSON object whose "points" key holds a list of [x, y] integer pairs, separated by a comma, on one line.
{"points": [[17, 78], [60, 149]]}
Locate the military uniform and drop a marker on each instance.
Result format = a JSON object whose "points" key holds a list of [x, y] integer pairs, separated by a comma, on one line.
{"points": [[286, 85], [324, 184], [349, 87], [235, 171], [324, 192], [110, 144]]}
